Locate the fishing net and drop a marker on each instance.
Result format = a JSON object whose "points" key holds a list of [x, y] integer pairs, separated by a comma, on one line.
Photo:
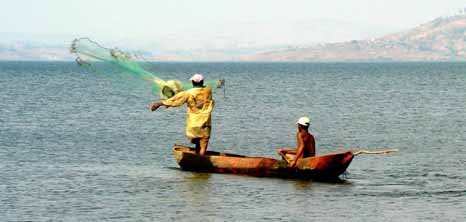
{"points": [[89, 53]]}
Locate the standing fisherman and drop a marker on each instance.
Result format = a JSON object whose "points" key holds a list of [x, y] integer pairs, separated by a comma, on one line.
{"points": [[199, 109]]}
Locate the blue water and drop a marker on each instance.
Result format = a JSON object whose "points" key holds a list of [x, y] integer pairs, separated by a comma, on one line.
{"points": [[80, 146]]}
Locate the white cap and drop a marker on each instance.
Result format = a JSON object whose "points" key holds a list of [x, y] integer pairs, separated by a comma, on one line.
{"points": [[304, 121], [197, 78]]}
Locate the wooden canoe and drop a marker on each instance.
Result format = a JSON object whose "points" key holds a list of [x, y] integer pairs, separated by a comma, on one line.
{"points": [[319, 167]]}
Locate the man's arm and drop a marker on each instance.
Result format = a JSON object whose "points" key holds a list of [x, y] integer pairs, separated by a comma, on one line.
{"points": [[313, 146], [299, 150], [177, 100]]}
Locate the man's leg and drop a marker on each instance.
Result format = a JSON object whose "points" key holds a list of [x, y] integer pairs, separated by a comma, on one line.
{"points": [[283, 151], [196, 142], [287, 154], [203, 143]]}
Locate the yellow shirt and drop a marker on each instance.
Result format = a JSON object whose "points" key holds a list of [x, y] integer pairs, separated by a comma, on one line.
{"points": [[200, 105]]}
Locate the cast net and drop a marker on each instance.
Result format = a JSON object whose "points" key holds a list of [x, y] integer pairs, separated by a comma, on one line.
{"points": [[89, 53]]}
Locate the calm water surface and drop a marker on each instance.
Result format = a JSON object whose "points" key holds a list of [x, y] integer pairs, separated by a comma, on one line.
{"points": [[78, 146]]}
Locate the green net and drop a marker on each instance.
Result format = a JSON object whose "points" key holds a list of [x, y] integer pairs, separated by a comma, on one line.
{"points": [[89, 52]]}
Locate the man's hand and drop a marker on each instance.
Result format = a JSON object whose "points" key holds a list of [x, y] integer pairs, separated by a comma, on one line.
{"points": [[293, 163], [154, 106], [220, 83]]}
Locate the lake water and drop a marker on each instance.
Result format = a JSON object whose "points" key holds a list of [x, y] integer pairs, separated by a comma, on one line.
{"points": [[80, 146]]}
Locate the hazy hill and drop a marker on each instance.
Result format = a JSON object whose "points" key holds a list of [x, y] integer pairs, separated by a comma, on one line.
{"points": [[442, 39]]}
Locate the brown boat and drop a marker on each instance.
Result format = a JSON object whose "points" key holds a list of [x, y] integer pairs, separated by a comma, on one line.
{"points": [[319, 167]]}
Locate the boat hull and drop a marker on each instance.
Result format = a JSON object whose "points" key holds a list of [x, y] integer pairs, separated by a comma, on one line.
{"points": [[320, 167]]}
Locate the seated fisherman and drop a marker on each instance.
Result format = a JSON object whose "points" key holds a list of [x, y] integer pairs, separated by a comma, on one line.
{"points": [[305, 143]]}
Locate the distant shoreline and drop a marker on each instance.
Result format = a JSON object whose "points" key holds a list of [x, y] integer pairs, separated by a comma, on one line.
{"points": [[255, 62]]}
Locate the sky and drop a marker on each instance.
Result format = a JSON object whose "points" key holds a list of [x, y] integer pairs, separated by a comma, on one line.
{"points": [[216, 23]]}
